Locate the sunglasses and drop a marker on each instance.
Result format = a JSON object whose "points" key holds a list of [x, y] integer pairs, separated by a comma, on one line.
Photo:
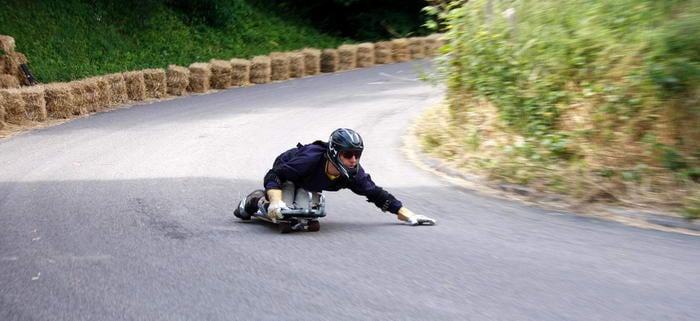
{"points": [[350, 153]]}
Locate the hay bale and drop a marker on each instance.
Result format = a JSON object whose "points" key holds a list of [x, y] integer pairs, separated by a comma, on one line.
{"points": [[200, 77], [13, 104], [260, 70], [178, 79], [103, 94], [135, 85], [7, 43], [416, 47], [91, 95], [156, 84], [347, 57], [365, 55], [34, 103], [117, 86], [312, 61], [12, 62], [221, 71], [433, 43], [240, 72], [329, 60], [59, 100], [400, 50], [79, 98], [383, 53], [296, 64], [8, 81], [2, 113], [279, 66]]}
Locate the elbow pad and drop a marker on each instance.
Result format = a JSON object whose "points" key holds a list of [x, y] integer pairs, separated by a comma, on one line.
{"points": [[381, 198]]}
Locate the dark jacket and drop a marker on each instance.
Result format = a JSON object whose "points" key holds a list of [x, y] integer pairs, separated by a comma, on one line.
{"points": [[305, 166]]}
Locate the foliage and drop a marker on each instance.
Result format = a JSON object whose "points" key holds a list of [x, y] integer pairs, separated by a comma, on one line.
{"points": [[72, 39], [360, 19], [576, 80]]}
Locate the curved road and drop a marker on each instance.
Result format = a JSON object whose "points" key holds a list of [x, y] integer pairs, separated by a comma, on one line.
{"points": [[125, 215]]}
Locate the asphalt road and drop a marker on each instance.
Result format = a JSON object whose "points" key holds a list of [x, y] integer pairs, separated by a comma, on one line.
{"points": [[126, 215]]}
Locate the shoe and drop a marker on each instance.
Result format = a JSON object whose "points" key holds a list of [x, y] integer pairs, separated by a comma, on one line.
{"points": [[240, 211], [249, 205]]}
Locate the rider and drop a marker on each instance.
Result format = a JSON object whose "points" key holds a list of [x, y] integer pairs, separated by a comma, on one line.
{"points": [[324, 166]]}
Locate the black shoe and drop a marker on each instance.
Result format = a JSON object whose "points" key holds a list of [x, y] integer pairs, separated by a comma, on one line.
{"points": [[240, 212], [252, 201]]}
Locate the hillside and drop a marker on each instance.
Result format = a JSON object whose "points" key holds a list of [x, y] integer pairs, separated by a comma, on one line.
{"points": [[72, 39]]}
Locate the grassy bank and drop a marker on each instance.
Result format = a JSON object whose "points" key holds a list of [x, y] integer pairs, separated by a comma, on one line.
{"points": [[595, 99], [72, 39]]}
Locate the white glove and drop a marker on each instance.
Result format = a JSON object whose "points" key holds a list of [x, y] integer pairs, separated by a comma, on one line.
{"points": [[420, 220], [274, 210], [411, 218]]}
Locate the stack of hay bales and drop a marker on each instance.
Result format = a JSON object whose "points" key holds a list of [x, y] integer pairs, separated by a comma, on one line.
{"points": [[156, 84], [59, 100], [383, 52], [416, 46], [400, 50], [240, 72], [329, 60], [117, 86], [220, 74], [365, 55], [178, 79], [200, 77], [312, 61], [347, 57], [260, 70], [135, 85], [296, 65], [279, 66], [11, 75]]}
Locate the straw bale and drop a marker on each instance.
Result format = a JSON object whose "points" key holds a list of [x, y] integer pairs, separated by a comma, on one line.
{"points": [[7, 43], [156, 84], [365, 55], [329, 60], [296, 64], [400, 50], [383, 52], [2, 113], [59, 100], [91, 94], [279, 66], [103, 93], [12, 62], [34, 103], [178, 79], [117, 86], [221, 71], [433, 43], [8, 81], [135, 85], [416, 46], [312, 61], [13, 104], [260, 70], [240, 72], [347, 57], [77, 89], [200, 77]]}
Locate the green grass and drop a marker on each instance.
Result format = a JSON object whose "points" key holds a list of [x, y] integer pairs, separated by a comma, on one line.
{"points": [[72, 39]]}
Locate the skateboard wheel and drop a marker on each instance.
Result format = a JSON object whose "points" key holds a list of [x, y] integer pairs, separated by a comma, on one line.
{"points": [[284, 228], [314, 226]]}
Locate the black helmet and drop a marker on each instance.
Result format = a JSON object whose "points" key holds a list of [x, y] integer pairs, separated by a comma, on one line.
{"points": [[344, 139]]}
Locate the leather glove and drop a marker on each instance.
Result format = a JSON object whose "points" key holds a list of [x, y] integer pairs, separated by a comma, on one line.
{"points": [[411, 218], [274, 210]]}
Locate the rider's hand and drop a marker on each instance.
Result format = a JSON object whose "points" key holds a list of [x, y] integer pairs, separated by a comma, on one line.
{"points": [[274, 210], [411, 218]]}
